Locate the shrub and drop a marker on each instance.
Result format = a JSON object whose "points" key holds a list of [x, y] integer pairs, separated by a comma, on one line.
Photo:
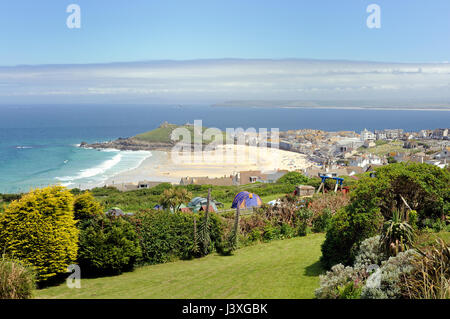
{"points": [[270, 233], [349, 227], [423, 186], [304, 219], [286, 231], [293, 178], [322, 222], [255, 235], [370, 253], [39, 229], [17, 280], [108, 245], [391, 274], [340, 283], [436, 224], [166, 236], [85, 206]]}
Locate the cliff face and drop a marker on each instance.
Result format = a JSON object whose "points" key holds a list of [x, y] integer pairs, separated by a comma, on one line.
{"points": [[130, 144]]}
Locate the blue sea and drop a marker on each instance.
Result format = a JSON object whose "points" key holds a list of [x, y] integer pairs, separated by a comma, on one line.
{"points": [[39, 143]]}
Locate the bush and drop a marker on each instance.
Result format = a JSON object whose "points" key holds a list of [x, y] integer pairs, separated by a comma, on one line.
{"points": [[286, 231], [39, 229], [349, 227], [270, 233], [293, 178], [436, 224], [322, 222], [370, 253], [108, 245], [340, 283], [392, 274], [423, 186], [166, 236], [304, 219], [85, 206], [17, 281]]}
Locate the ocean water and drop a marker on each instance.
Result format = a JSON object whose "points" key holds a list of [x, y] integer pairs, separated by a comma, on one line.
{"points": [[39, 143]]}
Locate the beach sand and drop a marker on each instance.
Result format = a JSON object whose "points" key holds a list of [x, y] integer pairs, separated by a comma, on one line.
{"points": [[225, 160]]}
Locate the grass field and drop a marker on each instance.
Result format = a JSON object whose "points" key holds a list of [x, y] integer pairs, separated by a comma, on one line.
{"points": [[279, 269]]}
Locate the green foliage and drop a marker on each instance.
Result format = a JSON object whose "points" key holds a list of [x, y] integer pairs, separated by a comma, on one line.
{"points": [[108, 245], [349, 227], [293, 178], [435, 224], [323, 222], [173, 198], [397, 235], [39, 229], [17, 281], [166, 236], [391, 160], [351, 290], [164, 133], [86, 206], [304, 219], [270, 233], [423, 186]]}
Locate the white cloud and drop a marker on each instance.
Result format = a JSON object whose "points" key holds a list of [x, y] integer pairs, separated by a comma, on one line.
{"points": [[220, 80]]}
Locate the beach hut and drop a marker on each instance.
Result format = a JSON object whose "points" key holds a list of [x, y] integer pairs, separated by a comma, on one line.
{"points": [[246, 200]]}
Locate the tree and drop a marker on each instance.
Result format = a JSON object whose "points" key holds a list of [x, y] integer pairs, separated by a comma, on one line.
{"points": [[173, 198], [293, 178], [39, 229], [85, 206]]}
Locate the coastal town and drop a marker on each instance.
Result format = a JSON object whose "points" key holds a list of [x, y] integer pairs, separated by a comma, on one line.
{"points": [[342, 153]]}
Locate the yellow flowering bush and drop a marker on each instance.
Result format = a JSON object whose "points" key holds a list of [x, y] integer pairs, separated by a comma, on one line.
{"points": [[39, 229]]}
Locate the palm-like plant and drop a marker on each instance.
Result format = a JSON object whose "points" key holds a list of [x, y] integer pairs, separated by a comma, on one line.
{"points": [[397, 235], [173, 198]]}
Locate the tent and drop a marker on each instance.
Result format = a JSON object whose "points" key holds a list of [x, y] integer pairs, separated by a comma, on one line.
{"points": [[116, 211], [197, 203], [246, 200]]}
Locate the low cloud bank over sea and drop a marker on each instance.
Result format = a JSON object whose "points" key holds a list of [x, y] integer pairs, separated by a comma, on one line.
{"points": [[218, 81]]}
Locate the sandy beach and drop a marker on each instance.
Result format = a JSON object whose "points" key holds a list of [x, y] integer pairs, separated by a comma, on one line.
{"points": [[223, 161]]}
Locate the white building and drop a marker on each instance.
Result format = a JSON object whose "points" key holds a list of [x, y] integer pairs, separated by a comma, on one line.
{"points": [[365, 160], [367, 135]]}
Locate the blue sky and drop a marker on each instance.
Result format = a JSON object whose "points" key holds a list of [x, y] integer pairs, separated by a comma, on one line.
{"points": [[35, 32]]}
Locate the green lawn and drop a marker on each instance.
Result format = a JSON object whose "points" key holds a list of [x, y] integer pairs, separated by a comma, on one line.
{"points": [[279, 269]]}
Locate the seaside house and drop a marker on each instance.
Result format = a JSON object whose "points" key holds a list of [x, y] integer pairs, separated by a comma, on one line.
{"points": [[367, 135]]}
